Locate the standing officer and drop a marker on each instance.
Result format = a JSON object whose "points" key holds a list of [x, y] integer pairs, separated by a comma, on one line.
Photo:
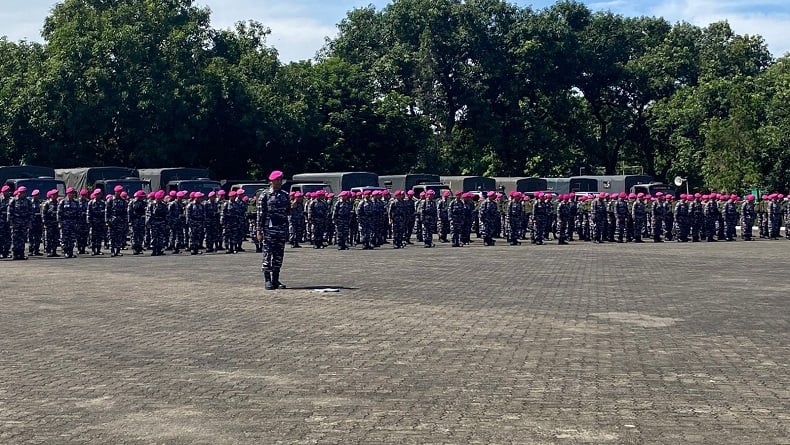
{"points": [[68, 213], [514, 218], [95, 217], [748, 215], [117, 218], [457, 213], [136, 212], [297, 221], [156, 217], [20, 215], [83, 230], [272, 224], [397, 218], [638, 214], [196, 222], [5, 229], [489, 215], [341, 217], [49, 217], [365, 215], [36, 226], [428, 216]]}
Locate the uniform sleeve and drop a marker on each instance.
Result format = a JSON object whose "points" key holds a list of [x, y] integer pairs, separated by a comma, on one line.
{"points": [[262, 211]]}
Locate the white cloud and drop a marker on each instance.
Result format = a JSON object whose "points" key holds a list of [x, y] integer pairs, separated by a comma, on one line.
{"points": [[767, 18]]}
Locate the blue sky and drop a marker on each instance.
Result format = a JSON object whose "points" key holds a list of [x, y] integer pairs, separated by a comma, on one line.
{"points": [[299, 27]]}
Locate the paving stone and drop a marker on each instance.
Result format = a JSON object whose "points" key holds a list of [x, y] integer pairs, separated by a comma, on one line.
{"points": [[582, 344]]}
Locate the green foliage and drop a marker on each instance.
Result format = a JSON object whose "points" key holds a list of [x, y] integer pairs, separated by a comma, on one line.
{"points": [[446, 86]]}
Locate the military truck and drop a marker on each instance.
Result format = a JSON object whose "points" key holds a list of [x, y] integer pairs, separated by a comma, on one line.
{"points": [[103, 178], [338, 181], [520, 184], [33, 177], [469, 183], [180, 178], [407, 181]]}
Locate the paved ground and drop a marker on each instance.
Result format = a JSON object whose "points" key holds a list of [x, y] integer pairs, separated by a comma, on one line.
{"points": [[622, 344]]}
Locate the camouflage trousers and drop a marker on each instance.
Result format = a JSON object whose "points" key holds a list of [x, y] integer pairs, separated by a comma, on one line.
{"points": [[5, 237], [98, 231], [138, 234], [197, 232], [273, 249], [68, 236], [18, 239], [83, 232], [52, 238]]}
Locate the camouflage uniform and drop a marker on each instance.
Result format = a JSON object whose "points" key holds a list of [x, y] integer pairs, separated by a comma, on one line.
{"points": [[730, 220], [563, 220], [175, 213], [774, 219], [428, 215], [212, 224], [83, 230], [36, 233], [341, 217], [381, 221], [540, 212], [196, 222], [19, 216], [95, 217], [469, 217], [711, 215], [117, 218], [5, 228], [444, 218], [296, 225], [398, 212], [411, 216], [621, 218], [489, 219], [49, 217], [317, 215], [748, 215], [136, 211], [68, 214], [669, 221], [515, 221], [682, 221], [156, 218], [365, 215], [657, 216], [599, 219], [239, 208], [457, 214], [638, 213], [697, 215], [273, 208]]}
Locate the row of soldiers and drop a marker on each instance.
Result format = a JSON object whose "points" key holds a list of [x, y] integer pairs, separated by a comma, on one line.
{"points": [[374, 217], [156, 221], [370, 219]]}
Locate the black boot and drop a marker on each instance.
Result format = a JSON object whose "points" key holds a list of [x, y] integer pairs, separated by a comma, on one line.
{"points": [[276, 279], [267, 276]]}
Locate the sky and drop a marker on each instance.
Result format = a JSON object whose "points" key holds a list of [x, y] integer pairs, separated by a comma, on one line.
{"points": [[299, 27]]}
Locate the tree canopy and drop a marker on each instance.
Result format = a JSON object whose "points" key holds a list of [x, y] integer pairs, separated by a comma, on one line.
{"points": [[446, 86]]}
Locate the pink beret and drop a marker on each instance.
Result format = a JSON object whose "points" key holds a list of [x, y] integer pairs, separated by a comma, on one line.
{"points": [[35, 192], [410, 193], [4, 189], [70, 190], [159, 194], [221, 193], [124, 195], [240, 192], [139, 194], [276, 174], [118, 188]]}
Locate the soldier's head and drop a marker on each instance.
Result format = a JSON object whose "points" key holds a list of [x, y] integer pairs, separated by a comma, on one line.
{"points": [[21, 192], [221, 194], [117, 190], [491, 196], [5, 190], [139, 195], [35, 195], [430, 194], [71, 193], [52, 194], [159, 196], [276, 179]]}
